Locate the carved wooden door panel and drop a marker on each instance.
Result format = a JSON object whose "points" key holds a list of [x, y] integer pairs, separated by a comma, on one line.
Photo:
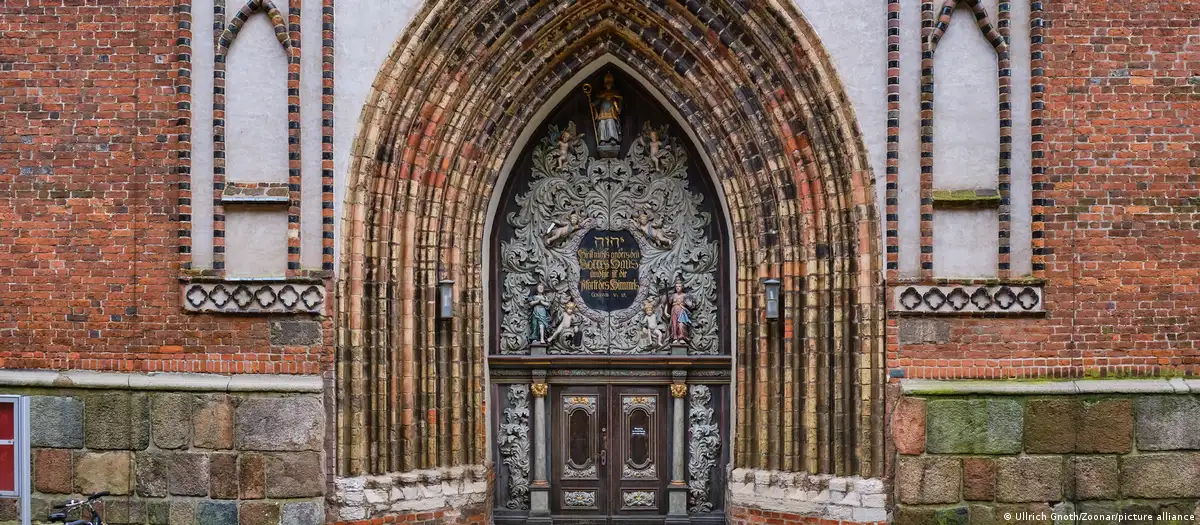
{"points": [[609, 453], [578, 453], [639, 468]]}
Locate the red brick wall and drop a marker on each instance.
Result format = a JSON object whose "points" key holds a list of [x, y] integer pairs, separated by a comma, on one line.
{"points": [[89, 161], [89, 166], [1121, 204]]}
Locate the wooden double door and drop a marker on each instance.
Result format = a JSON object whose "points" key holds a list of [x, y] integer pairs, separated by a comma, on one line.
{"points": [[608, 453]]}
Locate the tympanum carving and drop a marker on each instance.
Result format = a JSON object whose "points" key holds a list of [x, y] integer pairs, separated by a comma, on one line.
{"points": [[620, 247]]}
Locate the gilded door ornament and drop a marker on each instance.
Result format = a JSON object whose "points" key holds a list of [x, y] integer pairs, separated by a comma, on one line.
{"points": [[703, 448], [514, 446], [539, 389], [638, 498], [621, 246], [579, 498], [678, 390], [587, 403]]}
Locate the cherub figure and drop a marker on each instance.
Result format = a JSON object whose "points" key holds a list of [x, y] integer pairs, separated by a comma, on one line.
{"points": [[566, 325], [655, 149], [652, 329], [564, 148], [653, 231], [558, 232]]}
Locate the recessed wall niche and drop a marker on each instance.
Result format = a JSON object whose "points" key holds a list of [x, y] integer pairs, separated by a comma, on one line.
{"points": [[261, 243], [966, 124], [256, 104]]}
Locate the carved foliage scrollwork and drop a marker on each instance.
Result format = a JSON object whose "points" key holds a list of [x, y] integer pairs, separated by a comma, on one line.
{"points": [[571, 193], [514, 446], [704, 446]]}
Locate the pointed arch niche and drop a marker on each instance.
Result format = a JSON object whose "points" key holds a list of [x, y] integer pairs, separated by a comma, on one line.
{"points": [[458, 99]]}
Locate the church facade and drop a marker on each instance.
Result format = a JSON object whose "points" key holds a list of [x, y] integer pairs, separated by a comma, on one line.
{"points": [[629, 261]]}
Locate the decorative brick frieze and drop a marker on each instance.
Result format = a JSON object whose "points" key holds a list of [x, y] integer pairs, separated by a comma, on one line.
{"points": [[1002, 299], [254, 297]]}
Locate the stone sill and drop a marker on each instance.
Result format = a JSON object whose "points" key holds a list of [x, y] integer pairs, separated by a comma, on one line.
{"points": [[162, 381], [931, 387], [978, 199]]}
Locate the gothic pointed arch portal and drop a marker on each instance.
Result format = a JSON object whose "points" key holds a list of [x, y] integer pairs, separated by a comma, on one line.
{"points": [[459, 99]]}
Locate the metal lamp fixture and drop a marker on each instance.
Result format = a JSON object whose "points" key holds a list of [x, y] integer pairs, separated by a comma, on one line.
{"points": [[446, 299], [771, 287]]}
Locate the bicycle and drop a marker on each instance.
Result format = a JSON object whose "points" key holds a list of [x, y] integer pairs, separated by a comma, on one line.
{"points": [[78, 505]]}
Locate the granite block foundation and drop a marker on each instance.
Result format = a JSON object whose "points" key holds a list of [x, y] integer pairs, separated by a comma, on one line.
{"points": [[1038, 452], [205, 453]]}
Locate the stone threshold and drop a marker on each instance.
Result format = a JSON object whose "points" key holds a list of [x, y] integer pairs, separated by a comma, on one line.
{"points": [[1017, 387], [162, 381]]}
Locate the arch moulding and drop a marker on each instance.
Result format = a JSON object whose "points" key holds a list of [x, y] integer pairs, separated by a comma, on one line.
{"points": [[452, 103]]}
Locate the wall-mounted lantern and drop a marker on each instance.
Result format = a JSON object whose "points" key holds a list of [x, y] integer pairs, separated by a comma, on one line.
{"points": [[446, 299], [771, 287]]}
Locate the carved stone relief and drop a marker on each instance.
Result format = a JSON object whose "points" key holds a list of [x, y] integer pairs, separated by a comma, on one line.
{"points": [[579, 498], [514, 446], [607, 239], [703, 447], [638, 498]]}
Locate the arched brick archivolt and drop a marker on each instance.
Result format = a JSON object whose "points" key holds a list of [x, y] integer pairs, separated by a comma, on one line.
{"points": [[446, 111]]}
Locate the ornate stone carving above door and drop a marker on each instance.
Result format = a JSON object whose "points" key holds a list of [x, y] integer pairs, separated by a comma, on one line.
{"points": [[621, 246]]}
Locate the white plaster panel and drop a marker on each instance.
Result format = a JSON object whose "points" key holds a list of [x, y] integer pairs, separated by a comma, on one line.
{"points": [[255, 242], [965, 243], [1021, 234], [364, 35], [256, 148], [310, 134], [966, 115], [908, 202], [202, 132], [854, 33]]}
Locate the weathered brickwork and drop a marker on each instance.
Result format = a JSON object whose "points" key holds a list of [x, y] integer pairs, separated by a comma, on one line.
{"points": [[1116, 207], [977, 459], [91, 96], [428, 164]]}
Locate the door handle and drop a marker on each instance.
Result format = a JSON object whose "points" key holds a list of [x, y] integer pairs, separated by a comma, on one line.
{"points": [[603, 446]]}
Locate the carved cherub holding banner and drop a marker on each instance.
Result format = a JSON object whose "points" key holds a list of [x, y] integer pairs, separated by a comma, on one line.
{"points": [[559, 232], [653, 230]]}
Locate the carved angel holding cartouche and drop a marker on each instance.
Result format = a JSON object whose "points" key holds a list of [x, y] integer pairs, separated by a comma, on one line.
{"points": [[559, 232], [653, 231]]}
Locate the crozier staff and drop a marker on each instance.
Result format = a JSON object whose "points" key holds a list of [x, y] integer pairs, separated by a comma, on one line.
{"points": [[606, 112]]}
